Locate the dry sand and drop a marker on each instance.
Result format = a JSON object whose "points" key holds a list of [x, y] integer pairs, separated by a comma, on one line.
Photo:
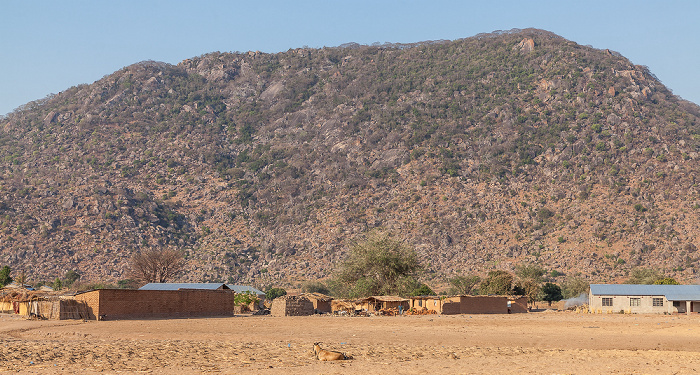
{"points": [[544, 342]]}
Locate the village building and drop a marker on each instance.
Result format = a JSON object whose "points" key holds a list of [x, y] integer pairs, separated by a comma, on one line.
{"points": [[321, 302], [253, 306], [245, 288], [184, 286], [644, 299], [344, 306], [40, 304], [113, 304], [291, 306], [378, 303], [471, 304]]}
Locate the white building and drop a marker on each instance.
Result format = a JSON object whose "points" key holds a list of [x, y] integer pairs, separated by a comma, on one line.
{"points": [[644, 299]]}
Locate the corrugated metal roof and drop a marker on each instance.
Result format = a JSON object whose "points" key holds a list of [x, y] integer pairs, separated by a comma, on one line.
{"points": [[671, 292], [176, 286], [244, 288]]}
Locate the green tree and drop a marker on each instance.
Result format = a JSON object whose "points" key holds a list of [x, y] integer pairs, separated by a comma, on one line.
{"points": [[464, 285], [378, 264], [245, 298], [574, 287], [551, 292], [497, 282], [643, 276], [57, 284], [5, 277], [71, 277], [315, 287], [273, 293], [423, 290], [530, 272], [666, 281], [530, 279]]}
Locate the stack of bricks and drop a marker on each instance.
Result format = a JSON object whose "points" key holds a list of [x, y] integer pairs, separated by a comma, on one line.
{"points": [[291, 306]]}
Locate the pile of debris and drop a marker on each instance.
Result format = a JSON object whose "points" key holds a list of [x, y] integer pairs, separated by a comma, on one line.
{"points": [[388, 312], [421, 311]]}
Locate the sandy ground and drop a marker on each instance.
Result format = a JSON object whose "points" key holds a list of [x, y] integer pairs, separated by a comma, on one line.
{"points": [[544, 342]]}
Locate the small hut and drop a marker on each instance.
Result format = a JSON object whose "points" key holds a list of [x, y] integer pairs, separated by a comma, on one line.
{"points": [[433, 303], [321, 302], [377, 303], [291, 306], [41, 304], [343, 306]]}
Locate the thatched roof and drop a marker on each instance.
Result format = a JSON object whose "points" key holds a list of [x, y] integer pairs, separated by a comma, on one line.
{"points": [[386, 299], [23, 295]]}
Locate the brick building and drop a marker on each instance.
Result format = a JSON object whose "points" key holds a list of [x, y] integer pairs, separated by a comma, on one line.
{"points": [[471, 304], [291, 306], [133, 304]]}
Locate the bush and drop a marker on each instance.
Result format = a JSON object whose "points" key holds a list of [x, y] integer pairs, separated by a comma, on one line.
{"points": [[245, 298], [5, 276], [273, 293]]}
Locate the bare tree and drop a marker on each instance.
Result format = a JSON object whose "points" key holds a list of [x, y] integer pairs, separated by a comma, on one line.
{"points": [[157, 265]]}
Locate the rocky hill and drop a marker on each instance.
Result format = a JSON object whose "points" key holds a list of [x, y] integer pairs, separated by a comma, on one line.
{"points": [[484, 153]]}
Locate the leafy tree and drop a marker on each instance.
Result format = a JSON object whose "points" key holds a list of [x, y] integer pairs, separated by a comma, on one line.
{"points": [[497, 282], [551, 292], [157, 265], [57, 284], [574, 287], [423, 290], [530, 272], [464, 285], [5, 275], [666, 281], [126, 284], [71, 277], [530, 288], [245, 298], [643, 276], [378, 264], [273, 293], [315, 287], [531, 277]]}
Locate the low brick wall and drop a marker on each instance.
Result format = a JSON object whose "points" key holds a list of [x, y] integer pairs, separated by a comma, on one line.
{"points": [[450, 308], [291, 306], [134, 304], [519, 305], [477, 305]]}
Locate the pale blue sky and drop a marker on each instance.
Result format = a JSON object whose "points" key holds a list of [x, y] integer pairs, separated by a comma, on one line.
{"points": [[49, 46]]}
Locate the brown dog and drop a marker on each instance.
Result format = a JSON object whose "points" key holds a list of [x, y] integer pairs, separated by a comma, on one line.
{"points": [[328, 355]]}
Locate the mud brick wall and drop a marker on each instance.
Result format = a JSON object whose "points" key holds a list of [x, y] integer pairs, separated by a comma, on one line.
{"points": [[322, 306], [519, 305], [483, 305], [291, 306], [450, 308], [134, 304]]}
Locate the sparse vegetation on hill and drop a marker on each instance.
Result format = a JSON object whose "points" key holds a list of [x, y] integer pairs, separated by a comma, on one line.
{"points": [[484, 153]]}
